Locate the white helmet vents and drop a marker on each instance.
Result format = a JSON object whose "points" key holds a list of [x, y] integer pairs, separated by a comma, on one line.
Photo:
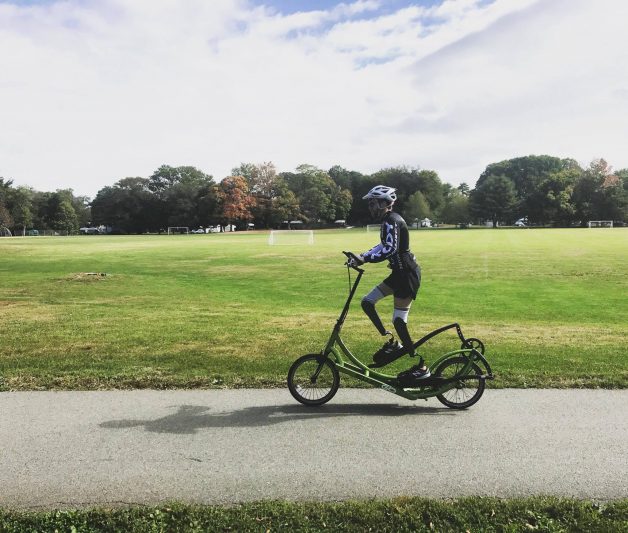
{"points": [[381, 192]]}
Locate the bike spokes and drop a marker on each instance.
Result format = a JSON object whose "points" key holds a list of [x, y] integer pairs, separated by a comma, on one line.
{"points": [[467, 388], [312, 380]]}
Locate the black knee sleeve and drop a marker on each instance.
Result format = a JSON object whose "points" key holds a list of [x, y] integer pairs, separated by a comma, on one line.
{"points": [[404, 336], [371, 312]]}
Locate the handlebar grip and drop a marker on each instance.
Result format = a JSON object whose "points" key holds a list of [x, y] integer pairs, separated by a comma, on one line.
{"points": [[350, 256]]}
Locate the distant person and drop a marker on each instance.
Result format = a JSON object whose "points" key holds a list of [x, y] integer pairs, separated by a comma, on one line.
{"points": [[403, 282]]}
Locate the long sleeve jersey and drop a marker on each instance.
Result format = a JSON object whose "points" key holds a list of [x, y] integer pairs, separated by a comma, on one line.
{"points": [[394, 245]]}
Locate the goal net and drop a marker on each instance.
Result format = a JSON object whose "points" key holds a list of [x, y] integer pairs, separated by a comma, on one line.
{"points": [[373, 227], [600, 223], [5, 232], [178, 230], [293, 237]]}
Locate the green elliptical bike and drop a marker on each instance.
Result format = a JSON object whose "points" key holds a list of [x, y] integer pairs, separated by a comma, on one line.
{"points": [[458, 378]]}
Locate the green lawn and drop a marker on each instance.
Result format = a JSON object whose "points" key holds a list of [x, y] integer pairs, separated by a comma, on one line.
{"points": [[546, 514], [230, 310]]}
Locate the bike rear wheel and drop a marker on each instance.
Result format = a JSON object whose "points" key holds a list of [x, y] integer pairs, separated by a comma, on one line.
{"points": [[466, 391], [313, 379]]}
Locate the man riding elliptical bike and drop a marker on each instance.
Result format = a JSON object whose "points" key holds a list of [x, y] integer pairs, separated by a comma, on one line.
{"points": [[403, 282]]}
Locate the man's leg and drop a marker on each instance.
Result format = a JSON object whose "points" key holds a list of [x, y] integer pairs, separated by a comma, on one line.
{"points": [[368, 305], [400, 321]]}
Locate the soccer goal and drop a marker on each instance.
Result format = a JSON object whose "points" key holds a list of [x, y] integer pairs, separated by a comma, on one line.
{"points": [[600, 223], [373, 227], [5, 232], [178, 230], [294, 237]]}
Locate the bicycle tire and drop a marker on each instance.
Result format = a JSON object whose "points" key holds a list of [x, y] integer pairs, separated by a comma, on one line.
{"points": [[459, 398], [310, 390]]}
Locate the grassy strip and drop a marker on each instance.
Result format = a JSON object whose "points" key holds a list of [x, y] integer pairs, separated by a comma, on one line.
{"points": [[232, 381], [400, 514]]}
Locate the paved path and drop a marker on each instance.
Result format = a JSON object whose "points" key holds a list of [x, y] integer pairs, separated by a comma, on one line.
{"points": [[66, 449]]}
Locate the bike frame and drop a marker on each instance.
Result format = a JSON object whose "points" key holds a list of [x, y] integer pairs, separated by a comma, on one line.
{"points": [[336, 351]]}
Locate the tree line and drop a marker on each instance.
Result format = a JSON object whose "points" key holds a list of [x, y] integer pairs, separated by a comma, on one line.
{"points": [[546, 190]]}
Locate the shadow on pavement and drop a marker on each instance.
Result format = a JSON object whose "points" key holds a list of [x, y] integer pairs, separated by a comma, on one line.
{"points": [[190, 418]]}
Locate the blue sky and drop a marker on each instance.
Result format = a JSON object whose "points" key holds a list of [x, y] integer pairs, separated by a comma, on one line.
{"points": [[293, 6], [374, 9], [93, 91]]}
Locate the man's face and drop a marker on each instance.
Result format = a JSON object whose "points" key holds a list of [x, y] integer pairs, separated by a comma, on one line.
{"points": [[377, 208]]}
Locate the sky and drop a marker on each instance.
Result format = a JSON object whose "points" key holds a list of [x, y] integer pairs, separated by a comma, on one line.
{"points": [[93, 91]]}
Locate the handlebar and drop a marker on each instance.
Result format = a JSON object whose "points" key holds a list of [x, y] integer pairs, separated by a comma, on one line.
{"points": [[349, 264]]}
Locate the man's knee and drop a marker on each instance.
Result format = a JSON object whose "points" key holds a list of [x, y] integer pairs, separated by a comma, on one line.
{"points": [[369, 300], [367, 305], [401, 313]]}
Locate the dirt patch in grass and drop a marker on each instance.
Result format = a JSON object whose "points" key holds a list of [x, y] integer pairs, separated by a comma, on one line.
{"points": [[87, 277]]}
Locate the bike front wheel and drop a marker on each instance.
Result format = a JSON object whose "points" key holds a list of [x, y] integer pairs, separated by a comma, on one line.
{"points": [[313, 379], [467, 390]]}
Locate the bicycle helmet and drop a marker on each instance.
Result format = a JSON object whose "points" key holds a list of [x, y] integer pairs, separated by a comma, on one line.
{"points": [[381, 199], [381, 192]]}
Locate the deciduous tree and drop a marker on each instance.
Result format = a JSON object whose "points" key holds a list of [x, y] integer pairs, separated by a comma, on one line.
{"points": [[551, 200], [61, 214], [20, 202], [407, 181], [320, 199], [456, 208], [416, 208], [5, 217], [600, 194], [128, 206], [493, 199], [235, 201]]}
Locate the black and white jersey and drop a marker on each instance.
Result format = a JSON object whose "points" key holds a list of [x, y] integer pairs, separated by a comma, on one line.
{"points": [[394, 245]]}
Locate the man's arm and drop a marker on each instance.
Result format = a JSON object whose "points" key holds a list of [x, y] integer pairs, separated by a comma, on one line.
{"points": [[386, 248]]}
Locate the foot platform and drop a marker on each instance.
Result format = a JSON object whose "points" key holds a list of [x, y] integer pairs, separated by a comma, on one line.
{"points": [[432, 381], [391, 351]]}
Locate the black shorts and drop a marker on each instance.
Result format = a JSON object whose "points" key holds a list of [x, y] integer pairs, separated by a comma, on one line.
{"points": [[405, 283]]}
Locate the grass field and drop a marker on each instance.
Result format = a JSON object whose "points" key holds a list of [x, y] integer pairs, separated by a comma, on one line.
{"points": [[230, 310]]}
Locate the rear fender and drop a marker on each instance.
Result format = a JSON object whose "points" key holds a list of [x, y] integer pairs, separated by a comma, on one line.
{"points": [[479, 358]]}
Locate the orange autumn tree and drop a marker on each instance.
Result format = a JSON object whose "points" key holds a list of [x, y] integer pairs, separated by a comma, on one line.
{"points": [[235, 199]]}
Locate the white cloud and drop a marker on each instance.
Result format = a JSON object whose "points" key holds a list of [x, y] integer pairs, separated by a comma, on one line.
{"points": [[91, 92]]}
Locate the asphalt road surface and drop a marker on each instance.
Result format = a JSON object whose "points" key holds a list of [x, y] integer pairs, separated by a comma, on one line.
{"points": [[74, 449]]}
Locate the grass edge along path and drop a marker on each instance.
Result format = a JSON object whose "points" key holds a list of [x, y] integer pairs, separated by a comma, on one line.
{"points": [[219, 381], [400, 514]]}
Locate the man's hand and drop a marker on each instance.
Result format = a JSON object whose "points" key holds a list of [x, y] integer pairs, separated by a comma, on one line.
{"points": [[355, 260]]}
